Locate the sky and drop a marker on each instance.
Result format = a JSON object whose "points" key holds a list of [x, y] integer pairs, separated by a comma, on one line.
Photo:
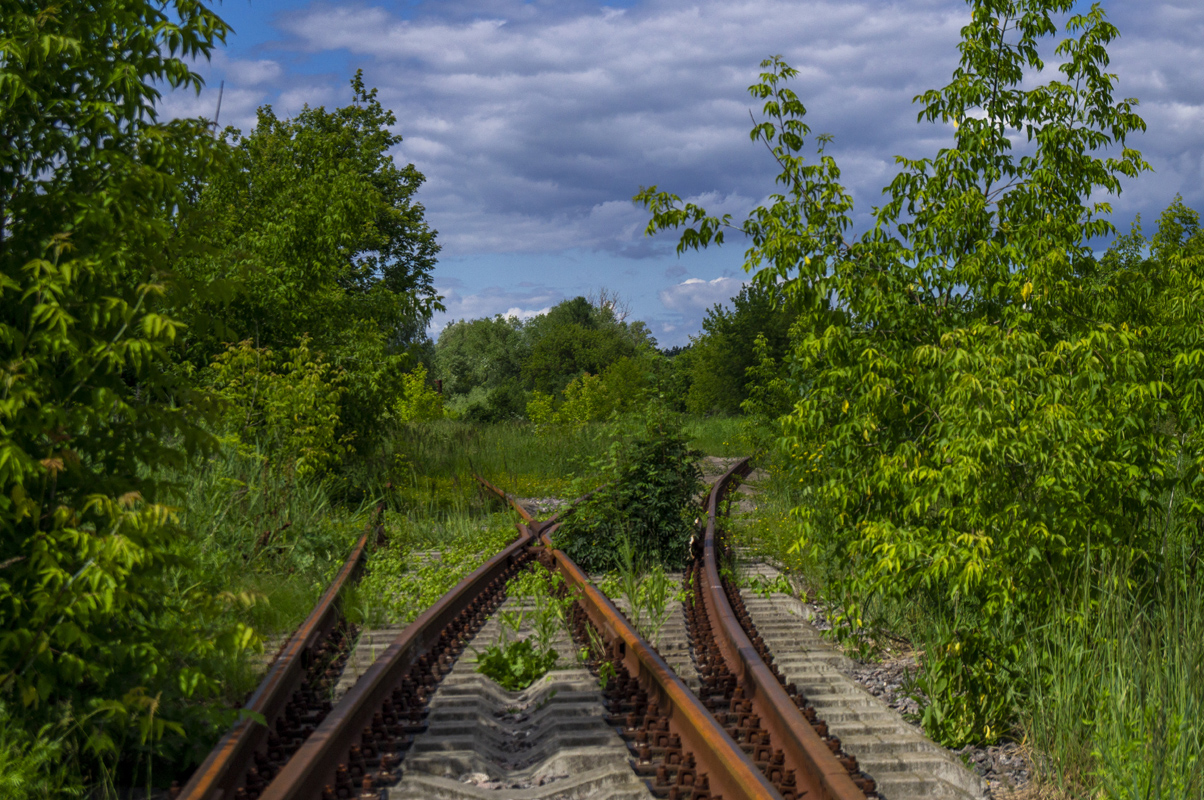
{"points": [[536, 121]]}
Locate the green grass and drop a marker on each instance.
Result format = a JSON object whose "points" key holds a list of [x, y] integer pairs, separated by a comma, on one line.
{"points": [[716, 436], [518, 457], [425, 557], [1118, 700], [258, 534]]}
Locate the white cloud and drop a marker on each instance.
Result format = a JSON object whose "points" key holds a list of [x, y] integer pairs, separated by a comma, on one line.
{"points": [[535, 126], [253, 73], [535, 123], [525, 314], [493, 300], [695, 295]]}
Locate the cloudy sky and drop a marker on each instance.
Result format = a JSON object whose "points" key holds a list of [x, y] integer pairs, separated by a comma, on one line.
{"points": [[535, 122]]}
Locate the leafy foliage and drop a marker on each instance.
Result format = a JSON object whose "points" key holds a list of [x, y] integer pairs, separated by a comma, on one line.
{"points": [[314, 231], [291, 404], [720, 357], [621, 389], [990, 406], [540, 600], [30, 766], [90, 187], [494, 369], [574, 338], [419, 402], [515, 665], [481, 353], [649, 499]]}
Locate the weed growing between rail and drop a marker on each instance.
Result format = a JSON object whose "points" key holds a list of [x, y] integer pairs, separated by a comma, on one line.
{"points": [[541, 603], [650, 483], [650, 595]]}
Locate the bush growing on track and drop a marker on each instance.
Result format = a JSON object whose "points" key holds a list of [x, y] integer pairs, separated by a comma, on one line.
{"points": [[649, 497]]}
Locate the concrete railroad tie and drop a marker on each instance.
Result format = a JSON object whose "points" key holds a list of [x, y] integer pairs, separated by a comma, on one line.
{"points": [[904, 762], [549, 740]]}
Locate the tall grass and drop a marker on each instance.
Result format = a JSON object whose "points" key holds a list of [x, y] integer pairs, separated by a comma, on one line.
{"points": [[1116, 708], [519, 457], [717, 436], [254, 531]]}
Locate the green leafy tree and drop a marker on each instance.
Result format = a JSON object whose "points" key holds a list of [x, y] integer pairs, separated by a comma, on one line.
{"points": [[419, 401], [480, 364], [725, 350], [576, 337], [976, 418], [315, 231], [90, 183]]}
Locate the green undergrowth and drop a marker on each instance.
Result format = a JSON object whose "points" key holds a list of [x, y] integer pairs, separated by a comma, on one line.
{"points": [[1117, 677], [1106, 690], [424, 558], [264, 539]]}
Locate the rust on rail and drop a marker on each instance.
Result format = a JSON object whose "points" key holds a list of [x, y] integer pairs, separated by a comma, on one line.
{"points": [[730, 772], [233, 757], [370, 728], [812, 759]]}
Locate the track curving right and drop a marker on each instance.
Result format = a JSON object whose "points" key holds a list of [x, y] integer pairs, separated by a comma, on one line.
{"points": [[747, 692]]}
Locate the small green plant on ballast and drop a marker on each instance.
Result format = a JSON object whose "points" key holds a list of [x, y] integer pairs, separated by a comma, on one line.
{"points": [[647, 591], [543, 604], [515, 665]]}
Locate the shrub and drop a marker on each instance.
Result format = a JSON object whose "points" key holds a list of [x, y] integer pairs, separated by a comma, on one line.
{"points": [[289, 404], [419, 402], [649, 498]]}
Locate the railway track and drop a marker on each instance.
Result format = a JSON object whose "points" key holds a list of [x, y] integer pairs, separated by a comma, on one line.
{"points": [[291, 699], [618, 722]]}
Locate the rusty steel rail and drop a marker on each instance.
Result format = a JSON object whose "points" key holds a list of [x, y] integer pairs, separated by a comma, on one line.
{"points": [[536, 526], [368, 730], [729, 771], [522, 512], [813, 759], [225, 770]]}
